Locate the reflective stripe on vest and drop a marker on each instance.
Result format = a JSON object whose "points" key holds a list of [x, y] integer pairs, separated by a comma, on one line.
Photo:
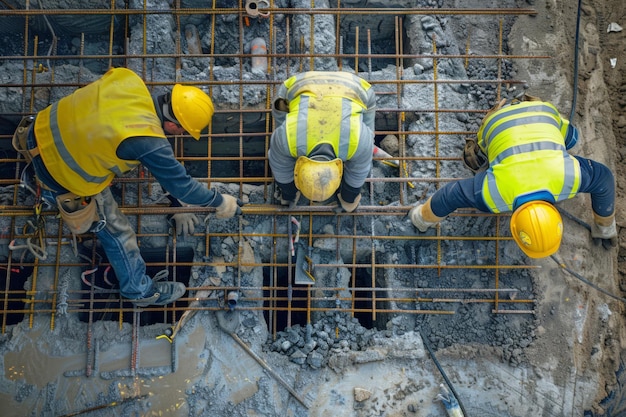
{"points": [[353, 87], [78, 136], [516, 115], [64, 152], [569, 180], [525, 145]]}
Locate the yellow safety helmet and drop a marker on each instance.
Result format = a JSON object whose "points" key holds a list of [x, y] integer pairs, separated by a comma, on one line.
{"points": [[192, 108], [317, 178], [537, 228]]}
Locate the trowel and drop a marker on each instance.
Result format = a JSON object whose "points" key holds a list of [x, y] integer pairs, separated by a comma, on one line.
{"points": [[303, 262], [304, 266], [378, 152]]}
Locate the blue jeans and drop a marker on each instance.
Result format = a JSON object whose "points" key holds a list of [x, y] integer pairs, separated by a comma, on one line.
{"points": [[119, 241], [117, 237]]}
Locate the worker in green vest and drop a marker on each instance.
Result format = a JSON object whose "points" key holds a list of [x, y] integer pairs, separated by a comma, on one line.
{"points": [[104, 129], [324, 138], [522, 166]]}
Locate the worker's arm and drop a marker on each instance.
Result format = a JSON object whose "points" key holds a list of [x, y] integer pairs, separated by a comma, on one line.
{"points": [[156, 154], [280, 106], [465, 193], [369, 115], [597, 180], [357, 168], [282, 165], [280, 159]]}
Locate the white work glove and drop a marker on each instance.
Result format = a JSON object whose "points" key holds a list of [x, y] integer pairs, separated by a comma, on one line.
{"points": [[185, 223], [349, 207], [605, 235], [415, 214], [230, 207]]}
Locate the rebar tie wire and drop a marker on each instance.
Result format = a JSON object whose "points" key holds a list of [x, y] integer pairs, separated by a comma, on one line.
{"points": [[38, 228]]}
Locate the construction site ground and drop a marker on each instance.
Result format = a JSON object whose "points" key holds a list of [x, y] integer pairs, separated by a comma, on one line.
{"points": [[514, 336]]}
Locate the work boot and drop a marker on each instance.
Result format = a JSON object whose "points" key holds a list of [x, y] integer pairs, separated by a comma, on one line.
{"points": [[166, 292]]}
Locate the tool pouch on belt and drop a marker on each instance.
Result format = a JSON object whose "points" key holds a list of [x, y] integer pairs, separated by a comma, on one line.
{"points": [[473, 157], [78, 213], [21, 135]]}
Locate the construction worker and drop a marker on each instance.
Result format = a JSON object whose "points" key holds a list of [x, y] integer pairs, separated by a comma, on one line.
{"points": [[80, 143], [324, 137], [522, 165]]}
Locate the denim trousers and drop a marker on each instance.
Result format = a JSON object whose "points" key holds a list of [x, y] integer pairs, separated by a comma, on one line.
{"points": [[117, 237], [119, 241]]}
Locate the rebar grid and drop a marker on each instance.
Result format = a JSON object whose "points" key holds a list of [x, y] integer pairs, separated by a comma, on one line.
{"points": [[38, 78]]}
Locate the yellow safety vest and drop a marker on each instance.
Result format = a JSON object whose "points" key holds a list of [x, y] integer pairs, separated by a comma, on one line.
{"points": [[78, 136], [325, 108], [526, 150]]}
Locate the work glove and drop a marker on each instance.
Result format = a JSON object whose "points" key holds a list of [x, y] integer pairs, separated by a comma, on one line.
{"points": [[349, 207], [415, 214], [473, 157], [278, 194], [185, 223], [281, 104], [230, 207], [528, 97], [605, 235]]}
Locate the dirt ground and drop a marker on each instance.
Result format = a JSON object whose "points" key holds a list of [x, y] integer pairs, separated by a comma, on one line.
{"points": [[601, 117]]}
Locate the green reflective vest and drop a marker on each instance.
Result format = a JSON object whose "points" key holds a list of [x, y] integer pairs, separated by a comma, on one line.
{"points": [[78, 136], [525, 146], [325, 108]]}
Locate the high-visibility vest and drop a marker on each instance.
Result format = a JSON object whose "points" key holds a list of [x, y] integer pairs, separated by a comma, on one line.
{"points": [[325, 108], [525, 146], [78, 136]]}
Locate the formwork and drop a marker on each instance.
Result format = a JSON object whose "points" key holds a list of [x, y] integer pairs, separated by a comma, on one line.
{"points": [[374, 265]]}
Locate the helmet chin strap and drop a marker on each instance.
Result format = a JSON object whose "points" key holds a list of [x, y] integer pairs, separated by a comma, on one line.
{"points": [[166, 109]]}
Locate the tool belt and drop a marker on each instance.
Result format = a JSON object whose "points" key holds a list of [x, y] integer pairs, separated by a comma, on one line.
{"points": [[79, 213], [20, 138], [473, 157]]}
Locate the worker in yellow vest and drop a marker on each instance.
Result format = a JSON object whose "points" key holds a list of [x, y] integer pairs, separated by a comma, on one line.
{"points": [[522, 166], [80, 143], [324, 137]]}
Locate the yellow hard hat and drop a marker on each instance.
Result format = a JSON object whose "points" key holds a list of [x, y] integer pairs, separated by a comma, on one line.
{"points": [[192, 108], [537, 228], [317, 178]]}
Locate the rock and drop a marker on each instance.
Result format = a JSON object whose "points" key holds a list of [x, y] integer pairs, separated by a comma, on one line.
{"points": [[247, 257], [361, 394], [315, 360], [285, 345], [298, 357], [390, 144]]}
